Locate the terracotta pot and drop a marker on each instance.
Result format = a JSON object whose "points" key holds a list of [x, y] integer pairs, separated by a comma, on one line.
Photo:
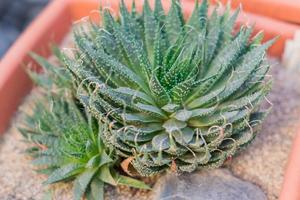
{"points": [[290, 188], [55, 21], [285, 10]]}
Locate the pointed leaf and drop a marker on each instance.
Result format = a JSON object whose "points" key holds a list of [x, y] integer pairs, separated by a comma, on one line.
{"points": [[64, 172], [128, 181], [97, 189], [82, 182], [106, 176]]}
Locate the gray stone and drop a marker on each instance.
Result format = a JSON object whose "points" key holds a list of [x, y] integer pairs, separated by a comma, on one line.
{"points": [[217, 184], [14, 17], [8, 35], [3, 6], [19, 13]]}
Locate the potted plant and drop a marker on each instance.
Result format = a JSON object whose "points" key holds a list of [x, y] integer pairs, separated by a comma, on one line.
{"points": [[163, 103], [152, 118]]}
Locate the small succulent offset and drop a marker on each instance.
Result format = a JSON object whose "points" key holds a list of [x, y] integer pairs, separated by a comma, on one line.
{"points": [[67, 140], [180, 94]]}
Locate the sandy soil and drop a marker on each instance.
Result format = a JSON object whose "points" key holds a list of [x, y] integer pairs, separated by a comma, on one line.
{"points": [[262, 163]]}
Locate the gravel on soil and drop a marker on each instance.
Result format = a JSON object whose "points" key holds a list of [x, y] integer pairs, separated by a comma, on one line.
{"points": [[262, 163]]}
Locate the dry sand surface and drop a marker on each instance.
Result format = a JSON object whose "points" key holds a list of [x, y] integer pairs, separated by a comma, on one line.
{"points": [[262, 163]]}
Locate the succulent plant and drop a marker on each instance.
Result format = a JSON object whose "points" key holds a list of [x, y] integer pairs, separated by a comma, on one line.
{"points": [[179, 94], [176, 94], [66, 141]]}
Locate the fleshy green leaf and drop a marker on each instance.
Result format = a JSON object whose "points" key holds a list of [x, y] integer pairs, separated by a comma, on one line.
{"points": [[64, 172], [106, 176], [97, 189], [82, 182], [128, 181]]}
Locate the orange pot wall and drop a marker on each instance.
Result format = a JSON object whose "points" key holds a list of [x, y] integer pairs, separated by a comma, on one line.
{"points": [[291, 185], [55, 21], [271, 28], [285, 10], [277, 15], [51, 25]]}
